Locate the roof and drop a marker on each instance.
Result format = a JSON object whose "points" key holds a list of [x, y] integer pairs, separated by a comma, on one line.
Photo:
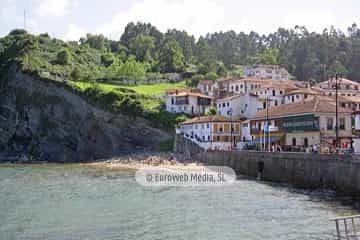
{"points": [[317, 104], [187, 92], [309, 91], [342, 81], [228, 98], [353, 99], [206, 82], [206, 119]]}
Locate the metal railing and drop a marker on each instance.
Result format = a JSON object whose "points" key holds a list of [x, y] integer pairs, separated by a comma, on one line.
{"points": [[350, 233]]}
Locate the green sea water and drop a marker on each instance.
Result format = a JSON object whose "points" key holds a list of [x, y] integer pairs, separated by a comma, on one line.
{"points": [[77, 202]]}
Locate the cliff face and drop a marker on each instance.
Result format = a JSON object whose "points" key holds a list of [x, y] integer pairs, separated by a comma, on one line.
{"points": [[47, 122]]}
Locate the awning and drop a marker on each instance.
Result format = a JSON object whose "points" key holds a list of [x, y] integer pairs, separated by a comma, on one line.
{"points": [[273, 139]]}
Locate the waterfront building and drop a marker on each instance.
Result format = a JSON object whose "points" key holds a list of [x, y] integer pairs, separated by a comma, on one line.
{"points": [[356, 138], [187, 101], [303, 124], [262, 71], [212, 132]]}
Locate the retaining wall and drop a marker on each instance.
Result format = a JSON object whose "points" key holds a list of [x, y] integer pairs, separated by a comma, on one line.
{"points": [[337, 172]]}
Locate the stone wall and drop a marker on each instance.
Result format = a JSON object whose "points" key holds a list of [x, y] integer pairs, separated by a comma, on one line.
{"points": [[337, 172]]}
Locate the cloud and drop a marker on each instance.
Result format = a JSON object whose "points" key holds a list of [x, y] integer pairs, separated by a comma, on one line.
{"points": [[54, 8], [74, 33], [197, 17]]}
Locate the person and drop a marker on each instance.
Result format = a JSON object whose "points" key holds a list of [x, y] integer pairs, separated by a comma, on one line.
{"points": [[315, 148]]}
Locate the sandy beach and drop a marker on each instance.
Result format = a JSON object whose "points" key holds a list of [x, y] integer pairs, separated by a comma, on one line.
{"points": [[143, 160]]}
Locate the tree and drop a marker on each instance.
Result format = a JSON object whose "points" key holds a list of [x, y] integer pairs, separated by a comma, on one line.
{"points": [[95, 41], [107, 59], [268, 56], [186, 42], [211, 112], [142, 47], [131, 69], [171, 57], [76, 74], [63, 57]]}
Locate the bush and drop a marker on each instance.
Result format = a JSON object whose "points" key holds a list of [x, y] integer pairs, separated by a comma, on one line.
{"points": [[107, 59], [63, 57]]}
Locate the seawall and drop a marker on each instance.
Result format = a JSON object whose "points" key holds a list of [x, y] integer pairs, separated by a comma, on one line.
{"points": [[338, 172]]}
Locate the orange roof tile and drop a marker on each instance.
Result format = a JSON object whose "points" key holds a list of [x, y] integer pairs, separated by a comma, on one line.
{"points": [[205, 119], [315, 105]]}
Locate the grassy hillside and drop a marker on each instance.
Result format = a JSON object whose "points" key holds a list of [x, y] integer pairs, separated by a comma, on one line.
{"points": [[143, 89], [80, 67]]}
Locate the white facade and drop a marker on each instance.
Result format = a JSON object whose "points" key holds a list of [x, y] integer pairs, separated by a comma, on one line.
{"points": [[188, 104], [245, 132], [215, 135], [238, 106], [273, 72], [206, 87]]}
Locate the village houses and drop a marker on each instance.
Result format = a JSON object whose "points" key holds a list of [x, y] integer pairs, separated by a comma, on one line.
{"points": [[299, 115], [212, 132], [187, 101], [303, 124], [262, 71]]}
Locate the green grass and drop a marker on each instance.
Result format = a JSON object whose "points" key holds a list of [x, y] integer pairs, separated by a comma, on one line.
{"points": [[147, 90]]}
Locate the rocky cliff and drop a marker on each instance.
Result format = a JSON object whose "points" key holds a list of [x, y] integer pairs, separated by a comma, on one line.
{"points": [[45, 121]]}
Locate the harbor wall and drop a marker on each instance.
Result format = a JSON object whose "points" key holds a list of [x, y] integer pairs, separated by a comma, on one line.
{"points": [[338, 172]]}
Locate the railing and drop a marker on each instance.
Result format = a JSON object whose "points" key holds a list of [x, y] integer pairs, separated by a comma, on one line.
{"points": [[350, 233]]}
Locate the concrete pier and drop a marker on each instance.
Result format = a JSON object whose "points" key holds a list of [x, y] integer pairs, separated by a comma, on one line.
{"points": [[338, 172]]}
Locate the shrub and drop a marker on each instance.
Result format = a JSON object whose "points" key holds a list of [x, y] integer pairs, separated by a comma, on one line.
{"points": [[63, 57]]}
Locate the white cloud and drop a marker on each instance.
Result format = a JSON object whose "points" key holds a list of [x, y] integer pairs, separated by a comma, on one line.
{"points": [[52, 7], [74, 33], [197, 17]]}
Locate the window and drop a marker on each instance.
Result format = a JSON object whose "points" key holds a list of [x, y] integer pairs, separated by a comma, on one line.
{"points": [[223, 104], [220, 128], [226, 138], [329, 124], [273, 92], [306, 142], [292, 98], [207, 125], [172, 100], [281, 92], [264, 105], [237, 88], [276, 102], [227, 104], [294, 141], [219, 105], [342, 123], [208, 138], [305, 95]]}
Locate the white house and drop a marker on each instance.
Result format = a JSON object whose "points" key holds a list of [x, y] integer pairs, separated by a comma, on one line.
{"points": [[187, 101], [212, 132], [238, 106], [261, 71], [345, 87], [206, 87]]}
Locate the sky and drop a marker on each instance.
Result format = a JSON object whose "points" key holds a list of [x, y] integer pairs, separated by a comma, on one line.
{"points": [[72, 19]]}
